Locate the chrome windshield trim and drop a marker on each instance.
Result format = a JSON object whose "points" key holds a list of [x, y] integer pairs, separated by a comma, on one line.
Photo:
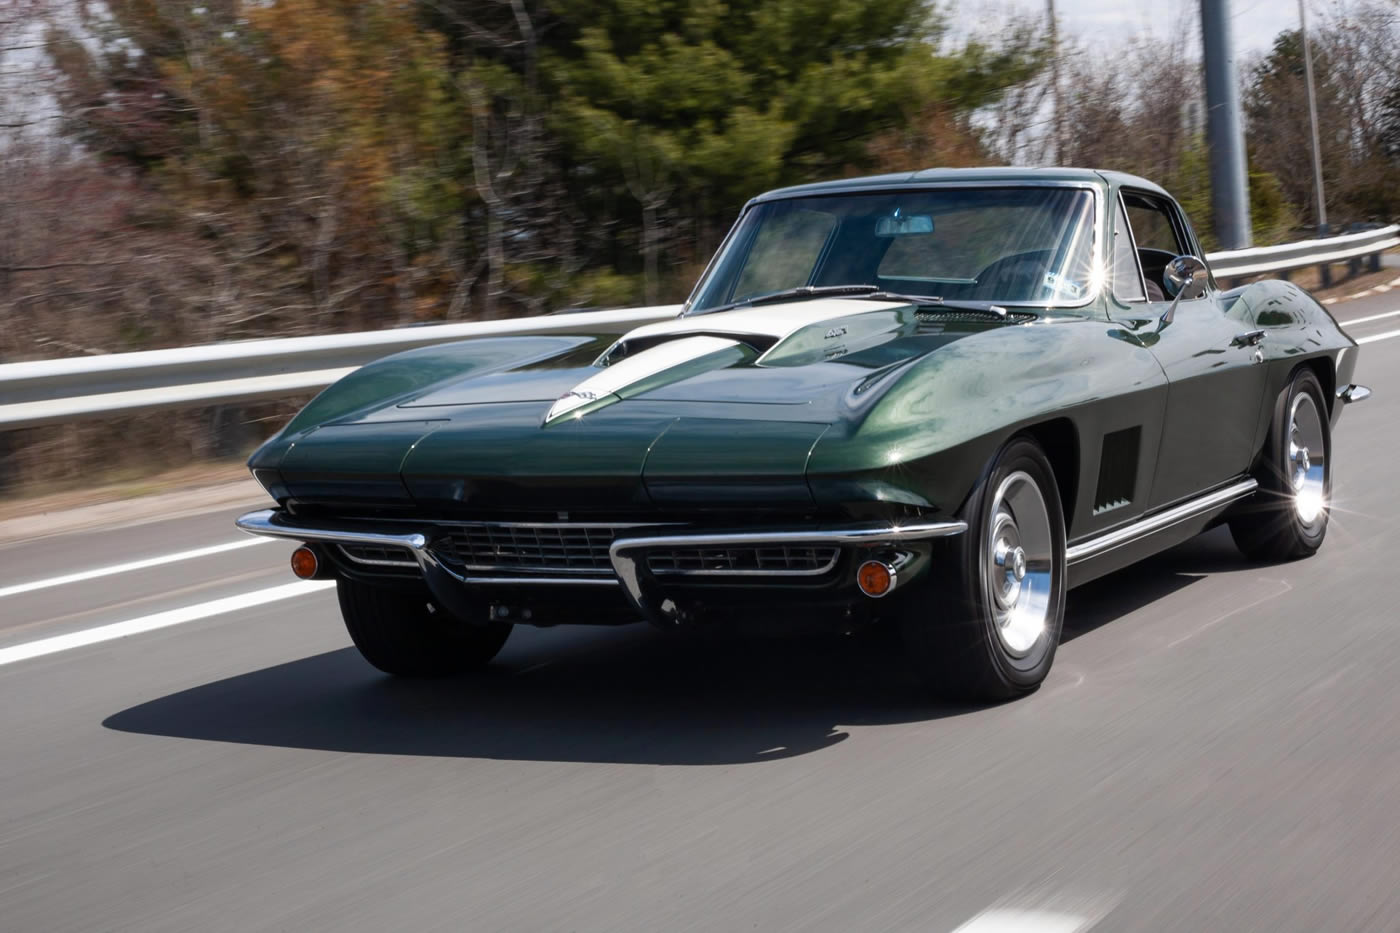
{"points": [[1100, 220], [1152, 524]]}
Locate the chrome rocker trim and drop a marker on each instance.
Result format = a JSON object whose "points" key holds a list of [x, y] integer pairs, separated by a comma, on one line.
{"points": [[1152, 524]]}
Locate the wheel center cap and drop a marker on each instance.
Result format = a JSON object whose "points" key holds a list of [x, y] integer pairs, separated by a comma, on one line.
{"points": [[1017, 563]]}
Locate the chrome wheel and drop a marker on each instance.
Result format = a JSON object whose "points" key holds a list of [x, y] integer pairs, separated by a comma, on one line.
{"points": [[1018, 562], [1307, 460]]}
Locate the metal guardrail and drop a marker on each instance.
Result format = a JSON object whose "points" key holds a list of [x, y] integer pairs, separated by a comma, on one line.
{"points": [[56, 391], [1266, 260]]}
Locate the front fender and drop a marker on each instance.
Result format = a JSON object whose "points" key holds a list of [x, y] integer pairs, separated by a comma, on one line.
{"points": [[940, 421]]}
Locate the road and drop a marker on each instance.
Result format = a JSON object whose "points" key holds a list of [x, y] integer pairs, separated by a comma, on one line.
{"points": [[1217, 748]]}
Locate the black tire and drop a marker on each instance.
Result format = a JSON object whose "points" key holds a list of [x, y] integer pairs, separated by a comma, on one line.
{"points": [[1286, 519], [403, 632], [952, 625]]}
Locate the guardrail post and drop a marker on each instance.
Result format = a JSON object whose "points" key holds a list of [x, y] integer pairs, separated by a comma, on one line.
{"points": [[1375, 262], [1325, 272]]}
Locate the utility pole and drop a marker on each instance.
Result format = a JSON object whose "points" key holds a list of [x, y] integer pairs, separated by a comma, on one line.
{"points": [[1312, 116], [1056, 144], [1229, 185]]}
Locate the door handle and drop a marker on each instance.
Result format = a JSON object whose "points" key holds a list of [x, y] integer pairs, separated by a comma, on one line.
{"points": [[1250, 338]]}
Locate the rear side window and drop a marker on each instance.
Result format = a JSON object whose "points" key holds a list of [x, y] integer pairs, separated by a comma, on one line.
{"points": [[1127, 280]]}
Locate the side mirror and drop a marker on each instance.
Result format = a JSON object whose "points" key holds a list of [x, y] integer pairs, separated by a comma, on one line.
{"points": [[1186, 279]]}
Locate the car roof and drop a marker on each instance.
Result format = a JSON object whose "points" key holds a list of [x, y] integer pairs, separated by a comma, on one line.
{"points": [[931, 177]]}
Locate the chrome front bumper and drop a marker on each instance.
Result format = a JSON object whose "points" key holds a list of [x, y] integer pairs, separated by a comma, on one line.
{"points": [[625, 553]]}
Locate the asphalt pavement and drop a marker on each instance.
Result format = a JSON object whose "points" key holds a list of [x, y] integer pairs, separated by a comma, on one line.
{"points": [[188, 742]]}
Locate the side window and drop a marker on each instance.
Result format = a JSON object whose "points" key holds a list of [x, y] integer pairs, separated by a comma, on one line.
{"points": [[1127, 281], [1152, 224], [785, 253], [1158, 237]]}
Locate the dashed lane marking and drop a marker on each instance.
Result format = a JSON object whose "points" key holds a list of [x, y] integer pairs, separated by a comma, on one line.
{"points": [[1024, 921], [159, 620], [128, 567], [1374, 337], [1369, 319]]}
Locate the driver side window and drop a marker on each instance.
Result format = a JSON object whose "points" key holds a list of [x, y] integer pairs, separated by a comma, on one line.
{"points": [[1157, 235]]}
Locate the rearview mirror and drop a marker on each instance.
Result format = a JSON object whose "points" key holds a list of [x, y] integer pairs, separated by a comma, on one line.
{"points": [[898, 224], [1185, 278]]}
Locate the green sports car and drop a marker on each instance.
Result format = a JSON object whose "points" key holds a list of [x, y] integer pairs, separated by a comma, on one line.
{"points": [[935, 400]]}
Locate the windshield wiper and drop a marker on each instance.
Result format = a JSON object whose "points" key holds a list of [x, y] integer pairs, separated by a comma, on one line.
{"points": [[936, 301], [862, 292], [790, 294]]}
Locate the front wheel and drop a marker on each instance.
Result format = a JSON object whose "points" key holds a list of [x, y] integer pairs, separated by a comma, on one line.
{"points": [[1287, 518], [987, 624], [404, 632]]}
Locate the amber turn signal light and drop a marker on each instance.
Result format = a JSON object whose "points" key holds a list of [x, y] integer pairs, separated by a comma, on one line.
{"points": [[875, 578], [304, 562]]}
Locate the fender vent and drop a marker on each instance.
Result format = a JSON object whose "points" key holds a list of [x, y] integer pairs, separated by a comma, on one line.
{"points": [[1118, 468]]}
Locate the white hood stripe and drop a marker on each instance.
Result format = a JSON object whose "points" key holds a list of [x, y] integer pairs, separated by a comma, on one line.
{"points": [[692, 338], [634, 369]]}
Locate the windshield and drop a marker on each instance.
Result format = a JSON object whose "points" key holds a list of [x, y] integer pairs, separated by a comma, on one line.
{"points": [[1027, 245]]}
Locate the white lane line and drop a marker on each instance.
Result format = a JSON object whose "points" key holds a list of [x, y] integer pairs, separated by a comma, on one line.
{"points": [[128, 567], [1374, 337], [1024, 921], [1367, 320], [213, 607]]}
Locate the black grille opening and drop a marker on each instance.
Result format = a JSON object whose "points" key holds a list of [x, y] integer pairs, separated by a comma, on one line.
{"points": [[506, 547], [379, 555], [778, 560]]}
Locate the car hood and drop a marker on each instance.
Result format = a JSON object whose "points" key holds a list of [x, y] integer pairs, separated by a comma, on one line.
{"points": [[693, 411]]}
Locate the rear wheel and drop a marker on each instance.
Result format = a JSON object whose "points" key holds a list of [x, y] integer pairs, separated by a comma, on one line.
{"points": [[1287, 517], [404, 632], [987, 625]]}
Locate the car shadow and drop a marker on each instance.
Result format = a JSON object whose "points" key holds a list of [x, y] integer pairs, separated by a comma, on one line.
{"points": [[1107, 599], [615, 694], [627, 695]]}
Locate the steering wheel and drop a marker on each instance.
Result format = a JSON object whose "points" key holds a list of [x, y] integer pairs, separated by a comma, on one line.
{"points": [[1018, 277]]}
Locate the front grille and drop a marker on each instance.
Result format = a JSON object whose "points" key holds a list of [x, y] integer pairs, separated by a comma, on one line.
{"points": [[777, 560], [528, 547]]}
